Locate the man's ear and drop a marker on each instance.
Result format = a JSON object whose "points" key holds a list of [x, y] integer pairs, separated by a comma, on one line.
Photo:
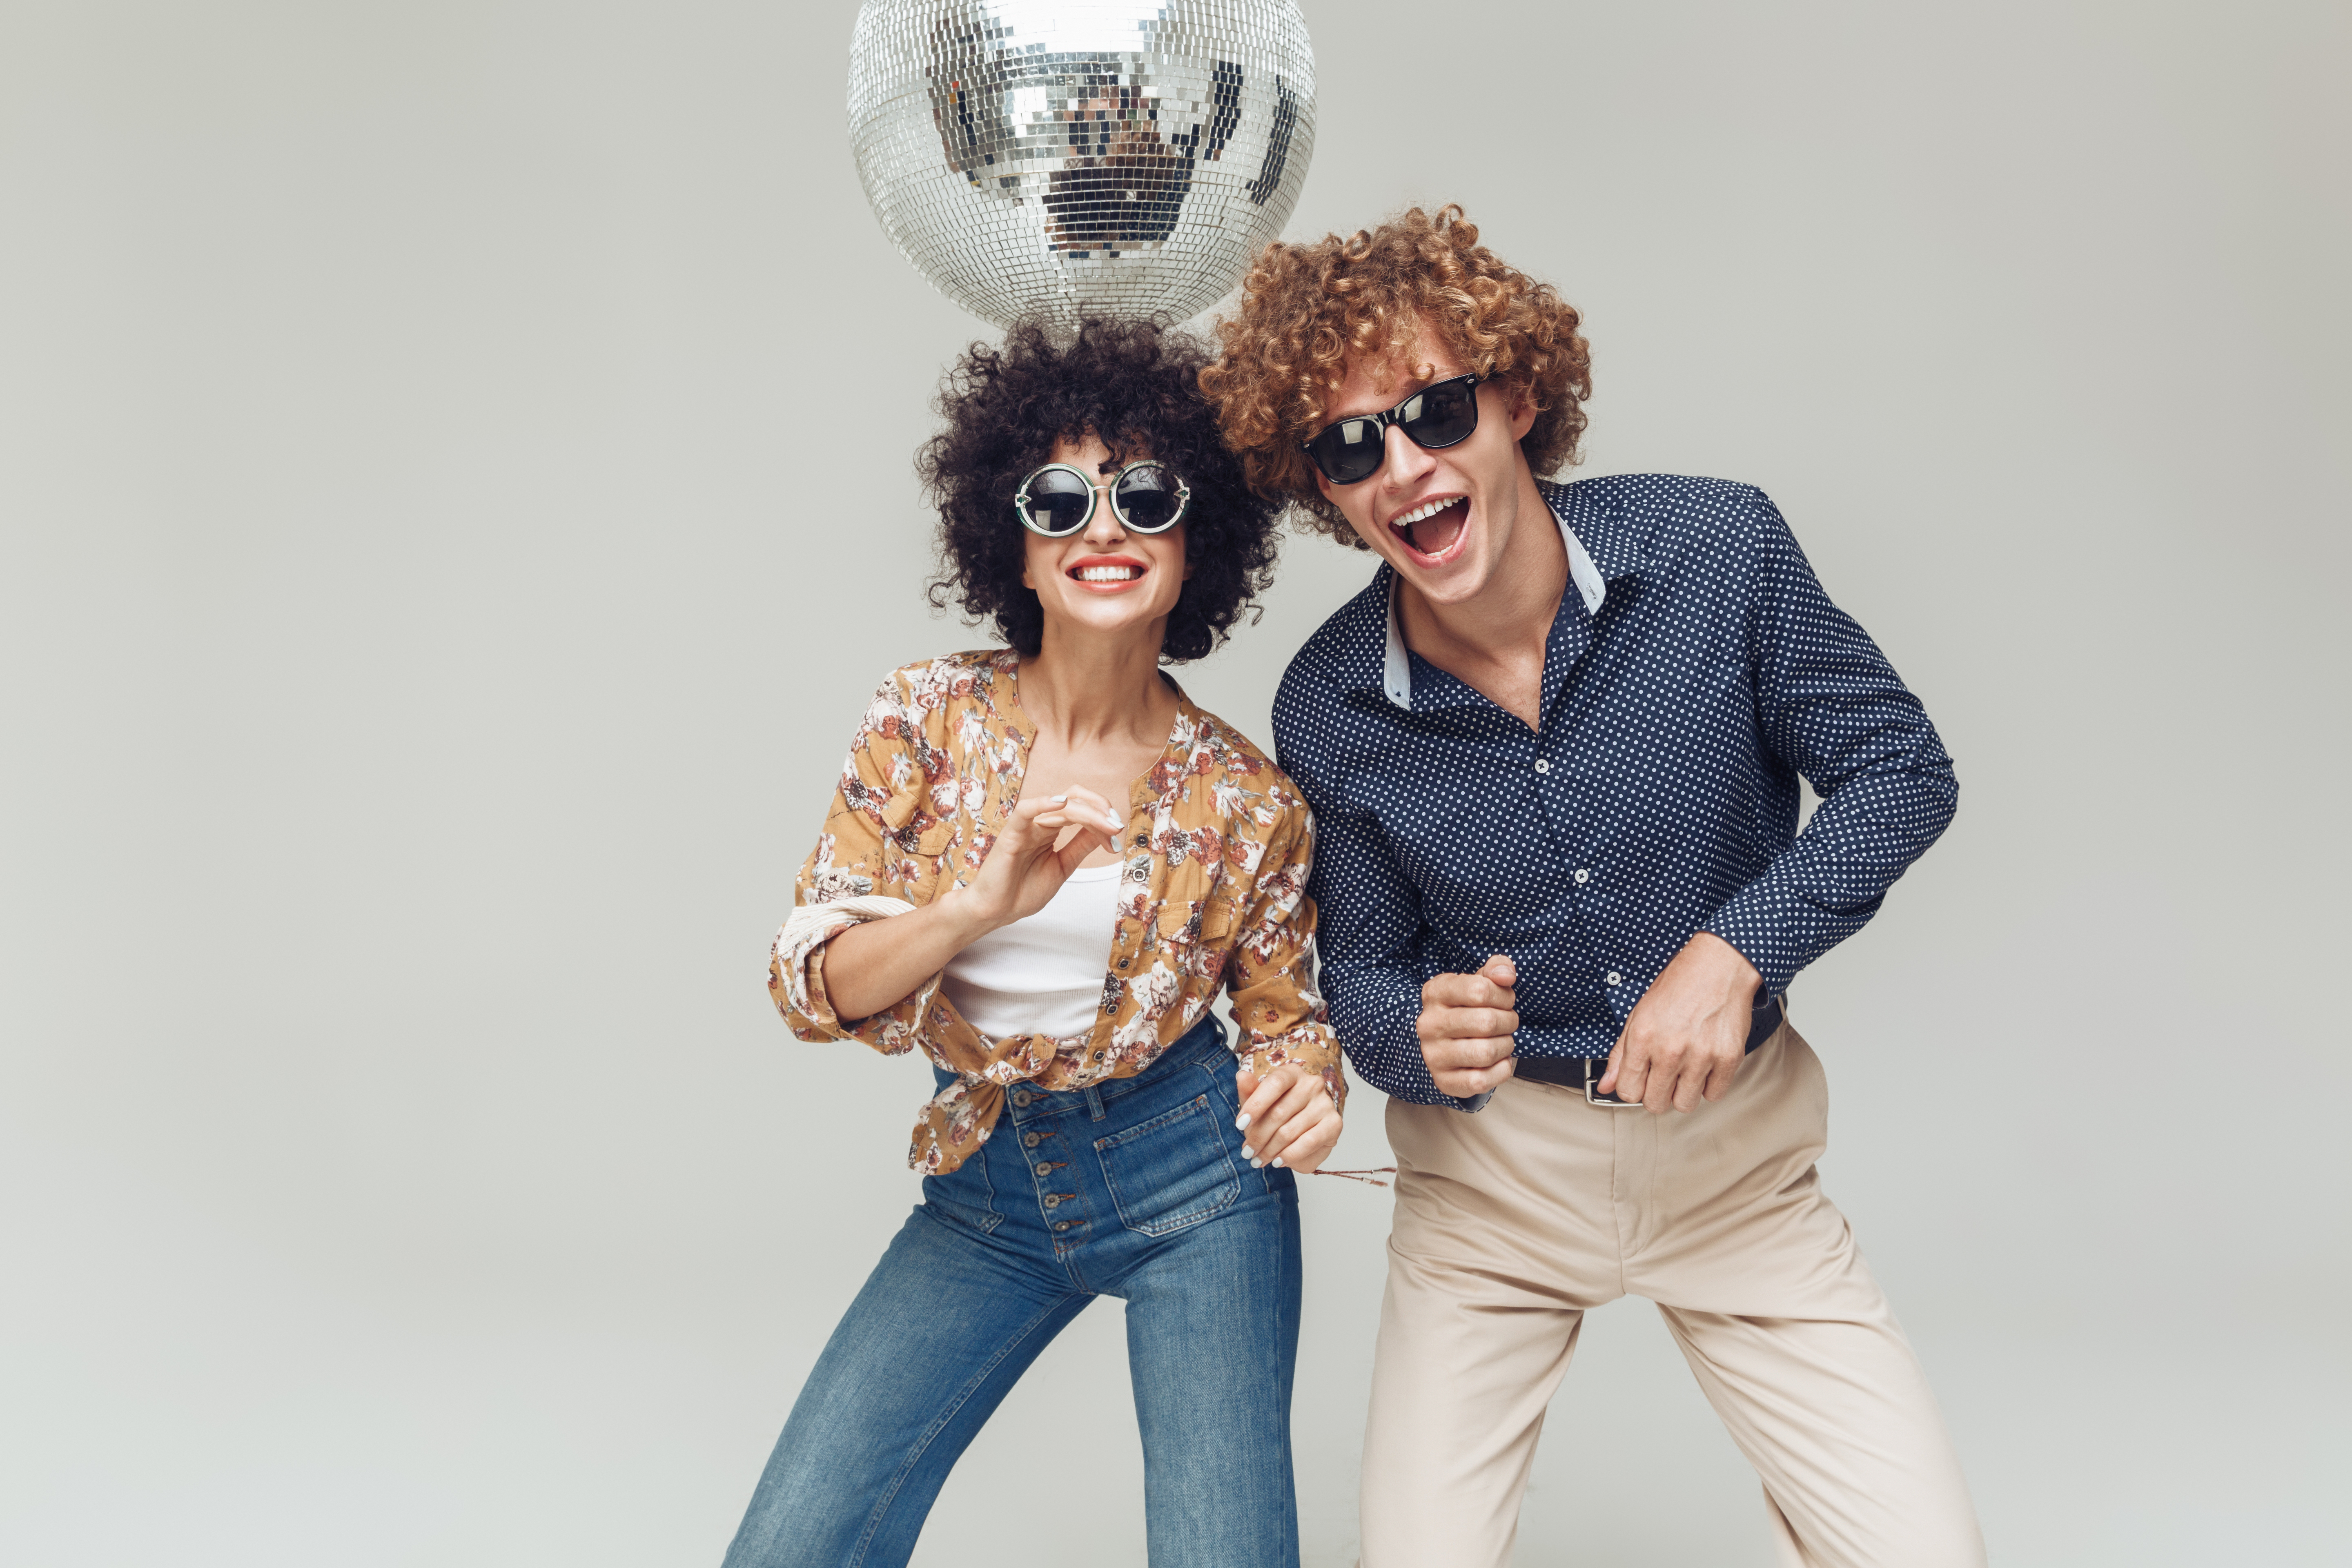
{"points": [[1523, 412]]}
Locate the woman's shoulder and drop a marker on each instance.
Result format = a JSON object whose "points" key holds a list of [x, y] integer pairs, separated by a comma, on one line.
{"points": [[917, 695], [1242, 780]]}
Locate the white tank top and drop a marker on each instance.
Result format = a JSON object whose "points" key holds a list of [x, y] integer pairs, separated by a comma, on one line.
{"points": [[1043, 975]]}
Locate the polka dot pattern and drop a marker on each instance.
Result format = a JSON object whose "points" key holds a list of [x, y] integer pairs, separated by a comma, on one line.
{"points": [[1658, 799]]}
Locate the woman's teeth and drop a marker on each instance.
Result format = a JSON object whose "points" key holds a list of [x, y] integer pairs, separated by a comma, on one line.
{"points": [[1109, 573]]}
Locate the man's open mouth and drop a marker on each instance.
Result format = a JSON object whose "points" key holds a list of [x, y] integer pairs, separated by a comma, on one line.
{"points": [[1433, 528]]}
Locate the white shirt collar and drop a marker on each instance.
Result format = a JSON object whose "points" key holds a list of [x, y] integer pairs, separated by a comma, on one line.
{"points": [[1396, 670]]}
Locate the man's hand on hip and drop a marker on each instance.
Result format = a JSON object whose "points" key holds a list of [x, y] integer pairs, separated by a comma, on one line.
{"points": [[1688, 1033], [1465, 1028]]}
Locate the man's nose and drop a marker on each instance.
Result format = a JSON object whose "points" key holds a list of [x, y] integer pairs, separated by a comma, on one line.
{"points": [[1405, 460]]}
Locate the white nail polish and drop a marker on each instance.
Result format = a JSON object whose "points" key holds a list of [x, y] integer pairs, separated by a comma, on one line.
{"points": [[1241, 1123], [1257, 1164], [1278, 1162]]}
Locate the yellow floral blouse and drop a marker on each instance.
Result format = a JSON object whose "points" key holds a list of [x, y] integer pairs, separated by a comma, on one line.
{"points": [[1214, 893]]}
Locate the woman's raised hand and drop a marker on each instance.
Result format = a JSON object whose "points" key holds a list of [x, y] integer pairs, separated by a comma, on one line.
{"points": [[1286, 1119], [1024, 869]]}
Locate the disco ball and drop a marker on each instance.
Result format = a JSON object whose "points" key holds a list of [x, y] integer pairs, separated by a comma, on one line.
{"points": [[1060, 156]]}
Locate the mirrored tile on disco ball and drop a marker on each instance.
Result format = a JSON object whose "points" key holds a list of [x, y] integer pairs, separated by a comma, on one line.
{"points": [[1069, 156]]}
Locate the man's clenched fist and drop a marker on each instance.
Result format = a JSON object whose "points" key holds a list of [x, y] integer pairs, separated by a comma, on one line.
{"points": [[1465, 1028]]}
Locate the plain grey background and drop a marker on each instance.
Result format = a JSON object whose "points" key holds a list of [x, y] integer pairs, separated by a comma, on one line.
{"points": [[455, 498]]}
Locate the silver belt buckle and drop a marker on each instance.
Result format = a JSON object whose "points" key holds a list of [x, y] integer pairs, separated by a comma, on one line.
{"points": [[1595, 1069]]}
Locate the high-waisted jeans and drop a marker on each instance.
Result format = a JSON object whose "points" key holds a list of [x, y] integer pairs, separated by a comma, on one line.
{"points": [[1136, 1188]]}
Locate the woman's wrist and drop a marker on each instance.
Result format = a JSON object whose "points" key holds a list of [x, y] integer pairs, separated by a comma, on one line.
{"points": [[962, 918]]}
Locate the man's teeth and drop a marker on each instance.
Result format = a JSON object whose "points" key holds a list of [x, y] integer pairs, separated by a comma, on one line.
{"points": [[1110, 574], [1431, 510]]}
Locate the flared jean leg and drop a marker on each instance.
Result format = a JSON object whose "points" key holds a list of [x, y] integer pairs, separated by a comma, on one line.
{"points": [[1212, 1342], [945, 1326]]}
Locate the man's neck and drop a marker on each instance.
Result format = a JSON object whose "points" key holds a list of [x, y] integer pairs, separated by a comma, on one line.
{"points": [[1494, 641]]}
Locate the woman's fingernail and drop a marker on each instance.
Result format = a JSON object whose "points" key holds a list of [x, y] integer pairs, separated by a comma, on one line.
{"points": [[1278, 1162], [1241, 1123], [1257, 1164], [1057, 800]]}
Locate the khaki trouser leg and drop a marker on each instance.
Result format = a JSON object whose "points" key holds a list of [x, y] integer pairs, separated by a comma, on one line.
{"points": [[1511, 1222]]}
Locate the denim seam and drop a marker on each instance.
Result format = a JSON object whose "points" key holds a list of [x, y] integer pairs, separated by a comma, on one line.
{"points": [[914, 1456]]}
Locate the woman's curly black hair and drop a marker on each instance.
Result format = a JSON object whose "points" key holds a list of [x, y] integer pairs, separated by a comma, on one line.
{"points": [[1137, 385]]}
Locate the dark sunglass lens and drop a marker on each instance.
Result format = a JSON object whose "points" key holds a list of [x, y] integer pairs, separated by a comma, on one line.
{"points": [[1441, 415], [1147, 497], [1348, 450], [1059, 501]]}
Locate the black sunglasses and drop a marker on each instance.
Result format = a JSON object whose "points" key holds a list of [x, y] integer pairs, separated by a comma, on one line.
{"points": [[1058, 500], [1440, 414]]}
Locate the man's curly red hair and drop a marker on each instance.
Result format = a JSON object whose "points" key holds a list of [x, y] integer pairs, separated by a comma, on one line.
{"points": [[1308, 309]]}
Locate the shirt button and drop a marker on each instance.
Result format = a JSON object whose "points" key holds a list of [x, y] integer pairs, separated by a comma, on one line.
{"points": [[1542, 767], [1021, 1098], [1043, 1168], [1122, 964], [1582, 877], [1052, 1202], [1029, 1140], [1615, 978], [1062, 1224]]}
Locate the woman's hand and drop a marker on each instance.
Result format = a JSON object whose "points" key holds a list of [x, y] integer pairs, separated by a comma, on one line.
{"points": [[1041, 843], [1286, 1118]]}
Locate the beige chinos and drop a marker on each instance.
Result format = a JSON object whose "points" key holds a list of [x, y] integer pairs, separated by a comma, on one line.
{"points": [[1512, 1223]]}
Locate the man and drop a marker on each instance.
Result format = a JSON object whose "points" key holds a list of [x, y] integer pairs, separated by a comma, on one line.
{"points": [[1554, 752]]}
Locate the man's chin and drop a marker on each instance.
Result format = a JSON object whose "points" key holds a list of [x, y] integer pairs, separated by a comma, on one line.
{"points": [[1445, 576]]}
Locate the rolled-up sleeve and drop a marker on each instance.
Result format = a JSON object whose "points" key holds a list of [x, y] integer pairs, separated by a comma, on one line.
{"points": [[1270, 976], [858, 855]]}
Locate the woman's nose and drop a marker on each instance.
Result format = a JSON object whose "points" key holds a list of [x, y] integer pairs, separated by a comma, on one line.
{"points": [[1104, 527]]}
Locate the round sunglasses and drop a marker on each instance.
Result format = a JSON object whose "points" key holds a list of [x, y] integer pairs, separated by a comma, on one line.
{"points": [[1058, 500], [1440, 414]]}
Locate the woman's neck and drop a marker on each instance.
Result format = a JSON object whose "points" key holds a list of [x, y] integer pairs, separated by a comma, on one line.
{"points": [[1089, 691]]}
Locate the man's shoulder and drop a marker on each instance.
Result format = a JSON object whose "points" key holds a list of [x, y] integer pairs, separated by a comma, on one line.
{"points": [[1345, 652], [1660, 521]]}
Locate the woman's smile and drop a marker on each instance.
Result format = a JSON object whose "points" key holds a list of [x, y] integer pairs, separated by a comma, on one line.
{"points": [[1107, 573]]}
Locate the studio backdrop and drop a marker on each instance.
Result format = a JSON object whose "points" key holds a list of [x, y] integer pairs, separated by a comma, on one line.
{"points": [[455, 500]]}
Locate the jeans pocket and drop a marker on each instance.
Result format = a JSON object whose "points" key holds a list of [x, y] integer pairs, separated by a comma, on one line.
{"points": [[966, 1194], [1171, 1170]]}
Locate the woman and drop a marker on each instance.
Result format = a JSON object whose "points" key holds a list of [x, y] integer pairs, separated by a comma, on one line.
{"points": [[1042, 865]]}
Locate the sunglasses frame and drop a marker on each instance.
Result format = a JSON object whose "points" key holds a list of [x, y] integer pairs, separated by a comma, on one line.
{"points": [[1097, 490], [1388, 416]]}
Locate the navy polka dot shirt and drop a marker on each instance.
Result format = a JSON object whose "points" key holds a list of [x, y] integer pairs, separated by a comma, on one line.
{"points": [[1694, 670]]}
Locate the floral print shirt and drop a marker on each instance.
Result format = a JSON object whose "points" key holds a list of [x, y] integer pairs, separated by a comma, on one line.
{"points": [[1213, 894]]}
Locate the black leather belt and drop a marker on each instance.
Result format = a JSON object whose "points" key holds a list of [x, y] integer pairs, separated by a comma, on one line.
{"points": [[1586, 1072]]}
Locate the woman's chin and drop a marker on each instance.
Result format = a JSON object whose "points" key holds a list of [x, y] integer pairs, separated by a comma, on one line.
{"points": [[1101, 614]]}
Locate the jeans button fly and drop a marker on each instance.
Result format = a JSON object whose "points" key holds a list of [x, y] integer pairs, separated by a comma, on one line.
{"points": [[1053, 1202]]}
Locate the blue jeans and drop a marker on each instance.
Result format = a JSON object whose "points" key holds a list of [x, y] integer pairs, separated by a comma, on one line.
{"points": [[1136, 1188]]}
